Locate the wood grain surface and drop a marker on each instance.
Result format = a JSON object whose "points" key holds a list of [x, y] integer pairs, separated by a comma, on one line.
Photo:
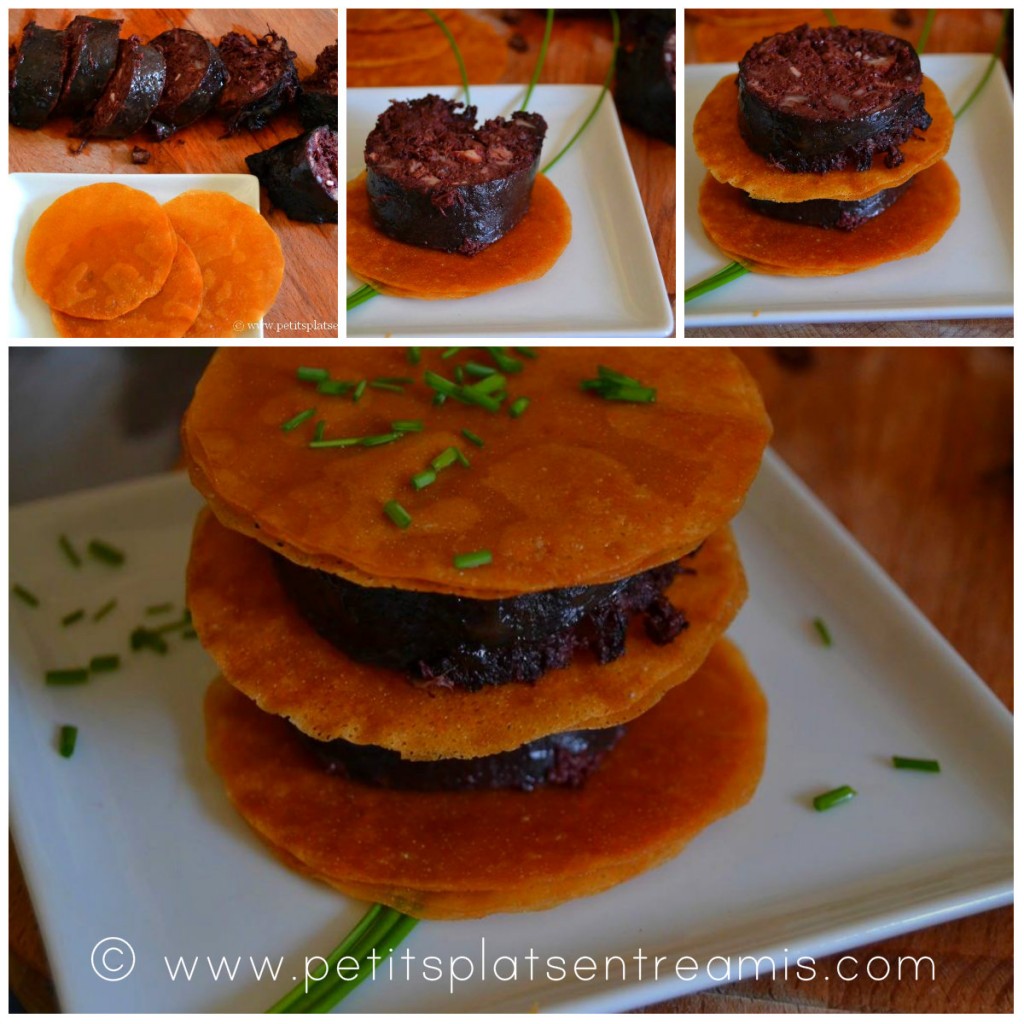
{"points": [[716, 35], [307, 304], [579, 52], [912, 449]]}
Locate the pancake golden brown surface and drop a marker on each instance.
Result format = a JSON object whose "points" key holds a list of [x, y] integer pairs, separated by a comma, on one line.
{"points": [[527, 252], [577, 490], [716, 136], [912, 225], [694, 758], [271, 654]]}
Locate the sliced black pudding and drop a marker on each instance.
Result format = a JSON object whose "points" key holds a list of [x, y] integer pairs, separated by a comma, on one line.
{"points": [[846, 215]]}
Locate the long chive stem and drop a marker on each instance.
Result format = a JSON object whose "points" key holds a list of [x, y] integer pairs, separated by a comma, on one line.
{"points": [[831, 17], [922, 39], [541, 56], [359, 296], [996, 51], [597, 104], [724, 276], [439, 21]]}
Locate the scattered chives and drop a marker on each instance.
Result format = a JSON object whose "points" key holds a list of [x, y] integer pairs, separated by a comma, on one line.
{"points": [[142, 638], [479, 370], [447, 458], [618, 387], [424, 479], [472, 438], [336, 442], [103, 612], [472, 559], [463, 461], [379, 439], [472, 394], [449, 352], [318, 431], [915, 764], [159, 609], [834, 796], [381, 385], [104, 552], [490, 384], [506, 363], [68, 738], [460, 375], [312, 373], [530, 353], [334, 387], [26, 595], [413, 355], [826, 636], [407, 426], [105, 663], [358, 393], [66, 676], [72, 617], [518, 407], [72, 555], [297, 420], [397, 514]]}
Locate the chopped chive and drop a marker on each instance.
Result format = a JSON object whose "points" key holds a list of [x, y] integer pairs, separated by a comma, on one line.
{"points": [[395, 380], [439, 399], [105, 663], [66, 676], [470, 394], [463, 461], [834, 796], [480, 370], [358, 393], [337, 442], [68, 738], [381, 385], [159, 609], [492, 383], [378, 439], [424, 479], [72, 555], [460, 375], [506, 363], [170, 627], [104, 552], [407, 426], [312, 373], [335, 387], [318, 431], [72, 617], [472, 438], [618, 387], [447, 458], [472, 559], [518, 407], [915, 764], [413, 355], [142, 638], [823, 632], [397, 514], [530, 353], [449, 352], [103, 612], [26, 595], [297, 420]]}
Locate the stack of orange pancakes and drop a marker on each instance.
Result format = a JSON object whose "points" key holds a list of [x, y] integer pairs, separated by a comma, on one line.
{"points": [[470, 647]]}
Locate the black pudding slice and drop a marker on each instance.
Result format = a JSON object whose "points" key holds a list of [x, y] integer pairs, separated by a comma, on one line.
{"points": [[845, 215], [460, 641], [438, 181], [822, 99], [562, 759]]}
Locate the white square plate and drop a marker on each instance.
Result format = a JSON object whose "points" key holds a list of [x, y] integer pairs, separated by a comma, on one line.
{"points": [[969, 272], [30, 194], [133, 837], [607, 283]]}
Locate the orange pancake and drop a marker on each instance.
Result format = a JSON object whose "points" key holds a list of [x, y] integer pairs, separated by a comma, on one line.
{"points": [[716, 136], [270, 653], [527, 252], [692, 759], [912, 225], [577, 490]]}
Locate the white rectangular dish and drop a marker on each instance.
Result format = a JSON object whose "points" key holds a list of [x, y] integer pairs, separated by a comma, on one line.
{"points": [[134, 837], [607, 283], [30, 194], [969, 272]]}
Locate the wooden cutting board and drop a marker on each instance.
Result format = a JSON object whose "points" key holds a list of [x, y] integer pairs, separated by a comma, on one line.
{"points": [[307, 304]]}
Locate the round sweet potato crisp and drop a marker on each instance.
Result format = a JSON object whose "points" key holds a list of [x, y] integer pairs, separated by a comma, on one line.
{"points": [[717, 139], [527, 252], [693, 758], [268, 651], [240, 258], [577, 490], [100, 250], [912, 225], [168, 314]]}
